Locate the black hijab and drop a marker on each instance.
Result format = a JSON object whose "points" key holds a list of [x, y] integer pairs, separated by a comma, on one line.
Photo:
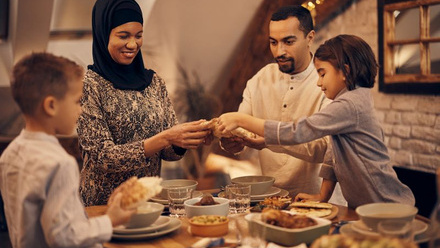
{"points": [[108, 14]]}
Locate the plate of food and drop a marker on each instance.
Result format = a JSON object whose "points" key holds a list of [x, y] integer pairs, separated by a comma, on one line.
{"points": [[287, 229], [314, 209], [274, 202]]}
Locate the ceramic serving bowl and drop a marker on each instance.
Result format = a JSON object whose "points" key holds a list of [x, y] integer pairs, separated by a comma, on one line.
{"points": [[373, 213], [209, 225], [259, 184], [176, 183], [147, 213], [289, 236], [191, 210]]}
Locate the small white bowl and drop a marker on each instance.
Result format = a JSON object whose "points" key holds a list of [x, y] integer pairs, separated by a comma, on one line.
{"points": [[373, 213], [192, 210], [176, 183], [259, 184], [147, 214]]}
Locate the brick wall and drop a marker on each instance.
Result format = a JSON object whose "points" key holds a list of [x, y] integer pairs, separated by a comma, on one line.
{"points": [[411, 123]]}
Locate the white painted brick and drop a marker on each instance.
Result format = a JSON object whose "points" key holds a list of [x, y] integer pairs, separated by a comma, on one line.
{"points": [[382, 101], [404, 103], [437, 122], [429, 105], [417, 118], [380, 115], [387, 129], [402, 131], [395, 143], [402, 158], [429, 162], [419, 146], [426, 133], [393, 117]]}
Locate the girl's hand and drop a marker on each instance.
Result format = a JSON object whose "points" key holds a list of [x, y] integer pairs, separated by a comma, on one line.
{"points": [[229, 121], [188, 135], [116, 213]]}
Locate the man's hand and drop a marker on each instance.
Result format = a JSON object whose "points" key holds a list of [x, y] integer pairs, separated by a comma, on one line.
{"points": [[308, 197], [256, 143], [232, 145]]}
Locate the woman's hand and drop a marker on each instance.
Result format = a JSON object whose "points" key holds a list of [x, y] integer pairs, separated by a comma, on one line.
{"points": [[188, 135]]}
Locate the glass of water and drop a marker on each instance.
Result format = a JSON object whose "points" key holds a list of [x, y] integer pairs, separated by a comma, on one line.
{"points": [[176, 197], [239, 196]]}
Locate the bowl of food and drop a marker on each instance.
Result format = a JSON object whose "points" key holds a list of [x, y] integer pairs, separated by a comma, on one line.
{"points": [[286, 229], [373, 213], [147, 213], [259, 184], [206, 205], [176, 183], [209, 225]]}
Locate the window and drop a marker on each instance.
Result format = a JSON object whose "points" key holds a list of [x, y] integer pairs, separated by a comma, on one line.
{"points": [[409, 46]]}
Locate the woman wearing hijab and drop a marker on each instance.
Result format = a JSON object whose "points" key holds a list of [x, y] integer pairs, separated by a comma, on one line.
{"points": [[128, 124]]}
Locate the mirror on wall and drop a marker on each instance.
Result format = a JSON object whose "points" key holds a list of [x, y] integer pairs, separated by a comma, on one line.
{"points": [[409, 46]]}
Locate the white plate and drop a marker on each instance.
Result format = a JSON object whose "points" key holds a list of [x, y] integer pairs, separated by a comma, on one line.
{"points": [[419, 227], [174, 225], [272, 191], [162, 221], [282, 192], [160, 200]]}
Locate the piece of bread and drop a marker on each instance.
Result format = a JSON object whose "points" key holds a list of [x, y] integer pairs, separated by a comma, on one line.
{"points": [[311, 212], [238, 132], [311, 204], [135, 191]]}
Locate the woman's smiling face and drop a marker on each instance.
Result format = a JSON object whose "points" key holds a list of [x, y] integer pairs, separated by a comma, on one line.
{"points": [[125, 42]]}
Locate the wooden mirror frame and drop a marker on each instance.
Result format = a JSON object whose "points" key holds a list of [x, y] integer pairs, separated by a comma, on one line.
{"points": [[404, 83]]}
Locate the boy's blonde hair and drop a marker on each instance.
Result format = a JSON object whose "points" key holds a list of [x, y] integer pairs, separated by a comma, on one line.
{"points": [[39, 75]]}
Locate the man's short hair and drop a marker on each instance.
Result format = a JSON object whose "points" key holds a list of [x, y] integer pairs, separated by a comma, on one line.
{"points": [[302, 14], [39, 75]]}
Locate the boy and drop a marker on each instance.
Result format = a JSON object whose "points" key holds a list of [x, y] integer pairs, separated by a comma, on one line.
{"points": [[39, 179]]}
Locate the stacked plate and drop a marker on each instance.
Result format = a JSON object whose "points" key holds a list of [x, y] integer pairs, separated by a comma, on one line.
{"points": [[359, 228], [163, 225], [271, 192], [164, 201]]}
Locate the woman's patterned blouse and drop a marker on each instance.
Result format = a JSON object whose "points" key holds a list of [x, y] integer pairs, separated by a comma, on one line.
{"points": [[111, 130]]}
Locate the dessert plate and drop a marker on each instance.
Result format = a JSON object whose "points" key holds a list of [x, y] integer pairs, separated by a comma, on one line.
{"points": [[161, 222], [418, 227]]}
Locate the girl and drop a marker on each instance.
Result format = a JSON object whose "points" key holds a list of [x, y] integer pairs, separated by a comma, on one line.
{"points": [[359, 159]]}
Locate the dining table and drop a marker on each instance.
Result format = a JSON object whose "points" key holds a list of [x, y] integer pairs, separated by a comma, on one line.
{"points": [[182, 238]]}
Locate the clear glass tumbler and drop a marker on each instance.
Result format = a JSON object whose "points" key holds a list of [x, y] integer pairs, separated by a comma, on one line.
{"points": [[176, 198]]}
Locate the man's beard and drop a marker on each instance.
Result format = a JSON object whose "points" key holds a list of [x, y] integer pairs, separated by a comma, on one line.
{"points": [[286, 68]]}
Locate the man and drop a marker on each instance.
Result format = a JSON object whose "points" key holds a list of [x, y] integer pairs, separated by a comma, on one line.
{"points": [[285, 91]]}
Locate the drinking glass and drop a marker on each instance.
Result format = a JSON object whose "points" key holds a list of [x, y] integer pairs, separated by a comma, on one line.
{"points": [[176, 198], [396, 229], [250, 234], [239, 197]]}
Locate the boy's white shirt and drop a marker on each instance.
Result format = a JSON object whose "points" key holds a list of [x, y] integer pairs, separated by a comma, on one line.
{"points": [[40, 189]]}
